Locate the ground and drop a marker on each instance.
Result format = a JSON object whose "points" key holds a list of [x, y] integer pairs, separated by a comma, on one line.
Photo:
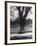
{"points": [[27, 30]]}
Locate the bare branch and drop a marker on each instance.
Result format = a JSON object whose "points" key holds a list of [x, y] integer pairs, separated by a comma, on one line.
{"points": [[22, 10], [18, 8], [27, 11]]}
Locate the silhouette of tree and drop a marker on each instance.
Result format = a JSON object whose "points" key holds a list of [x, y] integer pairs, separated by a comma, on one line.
{"points": [[22, 18]]}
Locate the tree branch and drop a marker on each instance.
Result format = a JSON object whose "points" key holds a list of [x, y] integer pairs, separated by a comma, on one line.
{"points": [[18, 8], [27, 11], [22, 10]]}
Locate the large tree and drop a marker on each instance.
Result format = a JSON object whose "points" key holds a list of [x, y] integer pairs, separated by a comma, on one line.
{"points": [[23, 17]]}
